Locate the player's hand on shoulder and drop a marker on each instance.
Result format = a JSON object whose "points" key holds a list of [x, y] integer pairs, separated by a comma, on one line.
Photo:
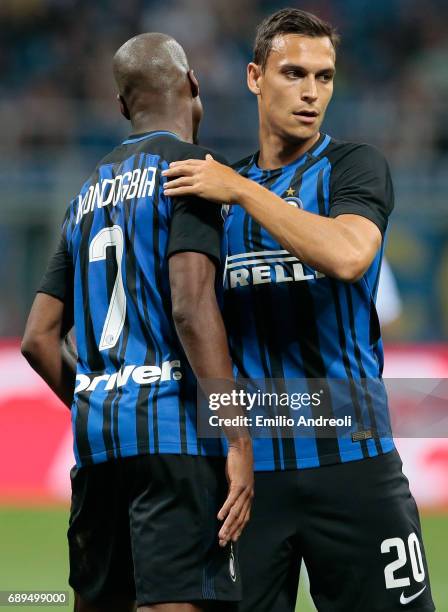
{"points": [[205, 178], [235, 511]]}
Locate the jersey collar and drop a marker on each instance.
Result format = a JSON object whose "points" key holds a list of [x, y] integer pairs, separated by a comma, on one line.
{"points": [[144, 136], [318, 147]]}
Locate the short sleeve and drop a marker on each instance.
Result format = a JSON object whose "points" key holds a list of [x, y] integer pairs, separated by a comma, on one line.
{"points": [[361, 184], [196, 225], [58, 277]]}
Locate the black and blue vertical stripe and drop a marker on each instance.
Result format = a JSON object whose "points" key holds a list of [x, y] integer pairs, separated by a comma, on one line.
{"points": [[130, 418], [313, 328]]}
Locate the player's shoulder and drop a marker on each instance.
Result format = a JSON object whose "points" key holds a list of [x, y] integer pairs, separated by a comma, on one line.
{"points": [[165, 145], [193, 151], [342, 154], [172, 149]]}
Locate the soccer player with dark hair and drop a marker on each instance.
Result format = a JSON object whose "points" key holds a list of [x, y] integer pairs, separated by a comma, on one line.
{"points": [[135, 270], [305, 239]]}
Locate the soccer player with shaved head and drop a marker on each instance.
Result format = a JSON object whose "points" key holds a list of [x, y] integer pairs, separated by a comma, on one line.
{"points": [[135, 272], [304, 239]]}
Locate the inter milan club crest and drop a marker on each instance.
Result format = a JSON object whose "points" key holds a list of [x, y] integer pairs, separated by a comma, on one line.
{"points": [[291, 199]]}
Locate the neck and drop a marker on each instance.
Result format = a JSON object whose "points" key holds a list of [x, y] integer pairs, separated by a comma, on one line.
{"points": [[276, 152], [177, 123]]}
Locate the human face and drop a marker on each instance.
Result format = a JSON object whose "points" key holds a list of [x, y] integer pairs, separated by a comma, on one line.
{"points": [[295, 87]]}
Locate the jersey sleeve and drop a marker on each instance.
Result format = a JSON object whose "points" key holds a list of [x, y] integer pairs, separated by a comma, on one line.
{"points": [[196, 225], [361, 184], [59, 276]]}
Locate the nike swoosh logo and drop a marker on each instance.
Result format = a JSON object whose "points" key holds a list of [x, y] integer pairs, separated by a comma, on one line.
{"points": [[405, 600]]}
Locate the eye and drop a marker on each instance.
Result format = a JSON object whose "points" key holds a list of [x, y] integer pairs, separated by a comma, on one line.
{"points": [[293, 72], [325, 77]]}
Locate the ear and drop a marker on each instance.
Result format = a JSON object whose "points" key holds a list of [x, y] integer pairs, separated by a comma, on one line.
{"points": [[123, 107], [254, 75], [194, 84]]}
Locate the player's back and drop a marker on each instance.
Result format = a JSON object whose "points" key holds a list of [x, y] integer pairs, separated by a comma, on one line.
{"points": [[135, 392]]}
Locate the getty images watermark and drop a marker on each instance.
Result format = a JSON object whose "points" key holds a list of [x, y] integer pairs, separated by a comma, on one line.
{"points": [[247, 401], [328, 408]]}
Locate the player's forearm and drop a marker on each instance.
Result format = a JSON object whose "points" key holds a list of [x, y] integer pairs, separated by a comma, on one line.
{"points": [[203, 336], [45, 356], [320, 242], [69, 355]]}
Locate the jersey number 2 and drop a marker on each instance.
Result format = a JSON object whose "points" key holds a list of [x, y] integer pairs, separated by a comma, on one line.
{"points": [[116, 313]]}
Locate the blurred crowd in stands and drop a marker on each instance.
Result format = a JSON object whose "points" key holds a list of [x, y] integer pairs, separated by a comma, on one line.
{"points": [[392, 66], [57, 102]]}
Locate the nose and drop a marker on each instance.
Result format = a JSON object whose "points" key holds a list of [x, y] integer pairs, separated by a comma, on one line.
{"points": [[309, 91]]}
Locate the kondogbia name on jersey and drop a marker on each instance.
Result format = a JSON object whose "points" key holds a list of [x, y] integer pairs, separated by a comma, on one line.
{"points": [[138, 183]]}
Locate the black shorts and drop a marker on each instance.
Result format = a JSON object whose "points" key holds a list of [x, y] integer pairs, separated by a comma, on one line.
{"points": [[356, 527], [145, 528]]}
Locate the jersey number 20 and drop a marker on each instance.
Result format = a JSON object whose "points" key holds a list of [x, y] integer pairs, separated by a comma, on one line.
{"points": [[415, 554]]}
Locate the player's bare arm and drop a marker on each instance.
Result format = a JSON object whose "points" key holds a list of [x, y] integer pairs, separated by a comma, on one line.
{"points": [[42, 346], [343, 247], [201, 330]]}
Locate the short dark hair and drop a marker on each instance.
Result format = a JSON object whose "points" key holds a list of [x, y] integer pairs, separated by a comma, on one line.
{"points": [[289, 21]]}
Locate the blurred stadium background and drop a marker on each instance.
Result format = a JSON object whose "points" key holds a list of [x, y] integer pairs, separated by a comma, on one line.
{"points": [[59, 116]]}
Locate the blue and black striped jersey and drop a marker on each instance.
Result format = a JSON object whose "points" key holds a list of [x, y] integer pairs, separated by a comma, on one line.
{"points": [[287, 321], [135, 392]]}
